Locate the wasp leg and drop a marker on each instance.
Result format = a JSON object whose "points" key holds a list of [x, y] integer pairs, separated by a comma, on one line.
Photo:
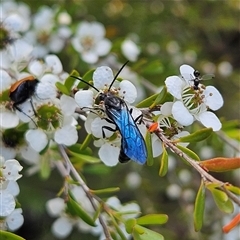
{"points": [[20, 110], [139, 119], [108, 128]]}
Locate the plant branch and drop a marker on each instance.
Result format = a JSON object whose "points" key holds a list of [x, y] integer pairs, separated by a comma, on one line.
{"points": [[85, 188], [205, 175]]}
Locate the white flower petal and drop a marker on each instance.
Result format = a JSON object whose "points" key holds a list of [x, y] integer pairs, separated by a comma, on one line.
{"points": [[68, 105], [37, 139], [109, 154], [66, 135], [7, 203], [209, 119], [5, 80], [89, 57], [13, 188], [156, 146], [45, 91], [36, 68], [166, 108], [97, 128], [103, 47], [55, 206], [8, 119], [84, 98], [15, 219], [54, 63], [127, 91], [174, 86], [11, 169], [130, 50], [62, 227], [213, 99], [187, 72], [102, 77], [181, 114]]}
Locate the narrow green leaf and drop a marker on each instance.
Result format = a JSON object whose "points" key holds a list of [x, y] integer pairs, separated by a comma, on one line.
{"points": [[76, 209], [160, 97], [62, 88], [86, 142], [148, 140], [106, 190], [45, 167], [9, 236], [233, 189], [148, 101], [142, 233], [130, 224], [88, 75], [84, 157], [197, 136], [190, 153], [164, 163], [199, 207], [152, 219], [222, 201], [69, 82]]}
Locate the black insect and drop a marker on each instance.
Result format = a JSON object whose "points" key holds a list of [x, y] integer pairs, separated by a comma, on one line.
{"points": [[132, 142], [197, 78]]}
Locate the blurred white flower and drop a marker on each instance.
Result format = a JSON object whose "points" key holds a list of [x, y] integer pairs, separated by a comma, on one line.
{"points": [[191, 104], [89, 41], [130, 50]]}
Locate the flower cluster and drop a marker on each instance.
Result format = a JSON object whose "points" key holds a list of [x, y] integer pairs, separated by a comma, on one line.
{"points": [[65, 221], [11, 217]]}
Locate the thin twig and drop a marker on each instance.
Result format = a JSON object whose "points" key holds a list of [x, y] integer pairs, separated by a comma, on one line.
{"points": [[85, 188], [194, 164]]}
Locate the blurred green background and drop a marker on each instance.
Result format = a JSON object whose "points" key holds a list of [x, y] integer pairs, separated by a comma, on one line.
{"points": [[204, 34]]}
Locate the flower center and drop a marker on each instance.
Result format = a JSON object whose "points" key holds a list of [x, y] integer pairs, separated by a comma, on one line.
{"points": [[87, 43], [192, 100], [49, 117]]}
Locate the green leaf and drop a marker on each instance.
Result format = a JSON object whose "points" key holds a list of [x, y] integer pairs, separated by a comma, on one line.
{"points": [[84, 157], [76, 209], [199, 207], [164, 163], [130, 224], [148, 140], [142, 233], [45, 169], [197, 136], [86, 142], [190, 153], [62, 88], [9, 236], [88, 75], [233, 189], [222, 201], [69, 82], [148, 101], [152, 219], [152, 68], [106, 190], [160, 97]]}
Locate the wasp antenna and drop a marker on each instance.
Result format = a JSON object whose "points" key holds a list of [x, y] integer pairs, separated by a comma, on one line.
{"points": [[117, 74], [80, 79]]}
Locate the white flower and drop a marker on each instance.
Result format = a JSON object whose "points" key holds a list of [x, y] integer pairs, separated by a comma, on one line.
{"points": [[97, 124], [15, 219], [47, 35], [7, 203], [130, 50], [191, 104], [89, 41]]}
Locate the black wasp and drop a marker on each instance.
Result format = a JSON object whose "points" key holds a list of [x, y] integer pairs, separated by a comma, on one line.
{"points": [[133, 145], [197, 78]]}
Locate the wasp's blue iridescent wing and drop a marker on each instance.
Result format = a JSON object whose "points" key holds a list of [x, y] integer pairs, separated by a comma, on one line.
{"points": [[133, 144]]}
